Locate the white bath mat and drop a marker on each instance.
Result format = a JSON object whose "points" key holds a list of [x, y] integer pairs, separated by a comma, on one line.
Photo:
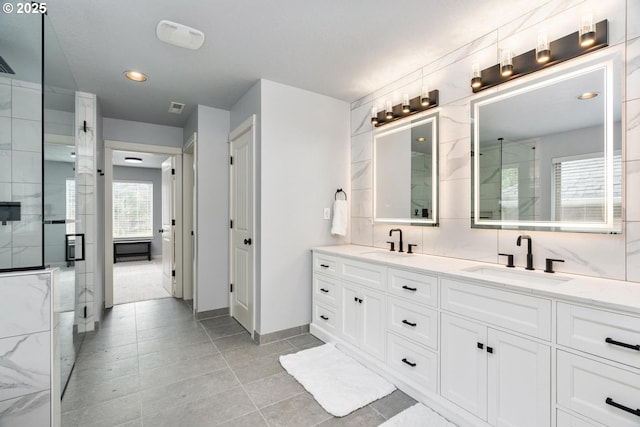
{"points": [[338, 383], [418, 416]]}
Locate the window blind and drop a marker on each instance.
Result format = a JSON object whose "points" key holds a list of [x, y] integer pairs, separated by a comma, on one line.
{"points": [[132, 209]]}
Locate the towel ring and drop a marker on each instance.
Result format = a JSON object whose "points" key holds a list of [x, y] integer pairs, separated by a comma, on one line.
{"points": [[338, 191]]}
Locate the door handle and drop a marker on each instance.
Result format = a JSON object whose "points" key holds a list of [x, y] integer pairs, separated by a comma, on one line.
{"points": [[161, 230], [247, 241]]}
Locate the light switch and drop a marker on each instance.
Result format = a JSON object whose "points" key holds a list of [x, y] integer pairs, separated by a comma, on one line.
{"points": [[327, 213]]}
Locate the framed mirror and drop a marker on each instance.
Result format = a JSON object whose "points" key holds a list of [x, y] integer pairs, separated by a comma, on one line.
{"points": [[405, 173], [546, 155]]}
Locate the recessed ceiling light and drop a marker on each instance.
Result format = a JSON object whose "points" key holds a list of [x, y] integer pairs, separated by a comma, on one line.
{"points": [[133, 159], [421, 139], [136, 76], [588, 95]]}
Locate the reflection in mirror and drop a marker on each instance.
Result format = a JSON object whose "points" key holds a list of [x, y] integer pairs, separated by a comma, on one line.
{"points": [[546, 156], [406, 173]]}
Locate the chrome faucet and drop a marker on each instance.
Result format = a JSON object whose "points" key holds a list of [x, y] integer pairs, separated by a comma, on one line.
{"points": [[400, 243], [529, 254]]}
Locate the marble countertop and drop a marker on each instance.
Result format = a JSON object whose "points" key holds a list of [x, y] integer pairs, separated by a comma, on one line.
{"points": [[606, 293]]}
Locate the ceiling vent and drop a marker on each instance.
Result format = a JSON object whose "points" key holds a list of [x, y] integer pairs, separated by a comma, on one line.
{"points": [[176, 107], [179, 35], [4, 67]]}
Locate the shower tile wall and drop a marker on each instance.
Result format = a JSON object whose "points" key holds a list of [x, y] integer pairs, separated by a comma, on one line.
{"points": [[21, 171], [611, 256], [25, 348]]}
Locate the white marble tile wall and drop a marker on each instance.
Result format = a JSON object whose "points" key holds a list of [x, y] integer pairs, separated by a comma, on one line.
{"points": [[612, 256], [21, 169], [86, 198], [25, 348]]}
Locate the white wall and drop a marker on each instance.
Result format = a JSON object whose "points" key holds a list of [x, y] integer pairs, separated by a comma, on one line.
{"points": [[141, 133], [304, 159], [612, 256], [213, 213]]}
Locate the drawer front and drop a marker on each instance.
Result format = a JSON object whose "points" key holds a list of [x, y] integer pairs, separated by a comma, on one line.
{"points": [[325, 317], [413, 321], [364, 273], [525, 314], [325, 289], [585, 386], [610, 335], [420, 288], [417, 365], [564, 419], [325, 264]]}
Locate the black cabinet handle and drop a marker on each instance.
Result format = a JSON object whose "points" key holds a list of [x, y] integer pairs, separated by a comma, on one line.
{"points": [[635, 412], [360, 300], [406, 322], [326, 291], [323, 317], [355, 299], [409, 289], [623, 344], [480, 346], [324, 266], [247, 241], [489, 349], [413, 365]]}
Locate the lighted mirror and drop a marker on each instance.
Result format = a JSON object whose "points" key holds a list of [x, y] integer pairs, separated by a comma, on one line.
{"points": [[405, 174], [547, 154]]}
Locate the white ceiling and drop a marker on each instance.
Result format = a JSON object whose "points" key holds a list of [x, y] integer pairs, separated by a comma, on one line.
{"points": [[343, 49]]}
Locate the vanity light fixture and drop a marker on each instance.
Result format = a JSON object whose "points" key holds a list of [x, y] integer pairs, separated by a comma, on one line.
{"points": [[587, 95], [374, 116], [476, 78], [136, 76], [564, 49], [543, 52], [587, 33], [136, 160], [424, 98], [391, 113], [506, 63], [406, 108], [388, 111]]}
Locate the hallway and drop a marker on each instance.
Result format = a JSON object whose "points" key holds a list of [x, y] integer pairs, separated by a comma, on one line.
{"points": [[151, 364]]}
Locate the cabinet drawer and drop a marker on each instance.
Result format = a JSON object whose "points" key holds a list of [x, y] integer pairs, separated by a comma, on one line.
{"points": [[564, 419], [417, 365], [420, 288], [589, 329], [364, 273], [325, 289], [585, 386], [325, 264], [325, 317], [526, 314], [413, 321]]}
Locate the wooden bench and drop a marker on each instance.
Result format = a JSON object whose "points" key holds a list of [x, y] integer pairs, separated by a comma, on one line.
{"points": [[131, 248]]}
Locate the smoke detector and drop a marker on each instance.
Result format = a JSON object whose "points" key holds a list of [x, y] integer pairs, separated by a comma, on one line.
{"points": [[176, 107], [179, 35]]}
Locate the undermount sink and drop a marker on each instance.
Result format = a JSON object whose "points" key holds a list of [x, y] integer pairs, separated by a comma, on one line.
{"points": [[387, 254], [517, 275]]}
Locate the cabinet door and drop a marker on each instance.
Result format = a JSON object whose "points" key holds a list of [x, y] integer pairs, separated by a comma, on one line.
{"points": [[374, 321], [463, 364], [350, 309], [519, 381]]}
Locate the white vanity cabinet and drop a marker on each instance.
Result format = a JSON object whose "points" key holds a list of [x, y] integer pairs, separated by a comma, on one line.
{"points": [[485, 353], [499, 377]]}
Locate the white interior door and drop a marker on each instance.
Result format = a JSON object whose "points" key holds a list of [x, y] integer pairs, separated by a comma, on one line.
{"points": [[167, 230], [242, 228], [188, 220]]}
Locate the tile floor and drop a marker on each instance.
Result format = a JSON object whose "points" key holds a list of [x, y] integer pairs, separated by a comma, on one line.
{"points": [[152, 364]]}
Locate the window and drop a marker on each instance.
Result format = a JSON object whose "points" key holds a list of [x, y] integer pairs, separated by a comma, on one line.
{"points": [[132, 209], [70, 206], [580, 199]]}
